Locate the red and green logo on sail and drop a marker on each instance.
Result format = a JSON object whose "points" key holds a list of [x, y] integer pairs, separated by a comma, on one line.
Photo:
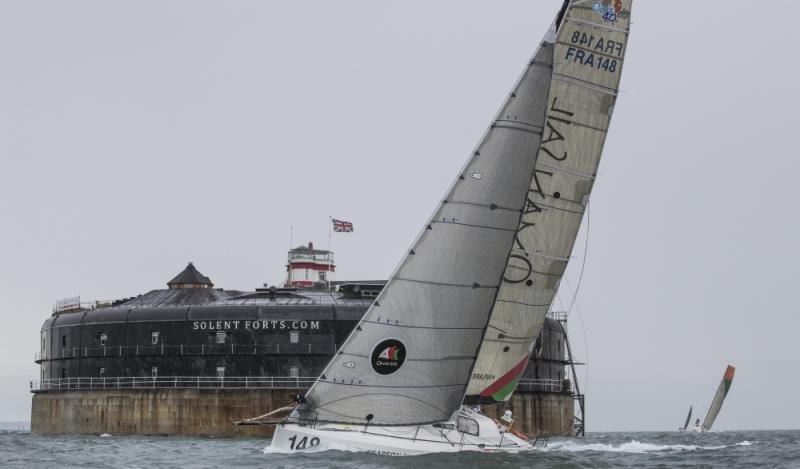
{"points": [[503, 387], [388, 356], [390, 353]]}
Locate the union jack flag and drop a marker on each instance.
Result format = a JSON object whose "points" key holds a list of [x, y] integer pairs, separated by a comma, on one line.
{"points": [[340, 226]]}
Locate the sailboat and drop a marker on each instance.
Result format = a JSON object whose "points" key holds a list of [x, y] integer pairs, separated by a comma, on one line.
{"points": [[716, 404], [457, 319], [688, 419]]}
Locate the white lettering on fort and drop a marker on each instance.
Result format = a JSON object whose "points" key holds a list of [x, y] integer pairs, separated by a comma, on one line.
{"points": [[262, 325]]}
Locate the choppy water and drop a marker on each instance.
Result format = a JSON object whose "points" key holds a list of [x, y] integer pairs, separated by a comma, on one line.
{"points": [[774, 449]]}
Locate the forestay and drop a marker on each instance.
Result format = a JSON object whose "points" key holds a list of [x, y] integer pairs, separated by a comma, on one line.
{"points": [[409, 359], [589, 52]]}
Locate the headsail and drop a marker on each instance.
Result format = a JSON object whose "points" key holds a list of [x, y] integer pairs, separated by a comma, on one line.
{"points": [[409, 359], [719, 398], [589, 53], [688, 419]]}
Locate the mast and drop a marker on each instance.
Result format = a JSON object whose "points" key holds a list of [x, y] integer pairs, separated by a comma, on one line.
{"points": [[589, 51]]}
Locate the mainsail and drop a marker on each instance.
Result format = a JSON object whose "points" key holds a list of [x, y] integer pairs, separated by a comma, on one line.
{"points": [[688, 419], [589, 53], [719, 398], [408, 360]]}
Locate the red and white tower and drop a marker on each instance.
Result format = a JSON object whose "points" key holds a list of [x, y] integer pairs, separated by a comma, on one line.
{"points": [[308, 267]]}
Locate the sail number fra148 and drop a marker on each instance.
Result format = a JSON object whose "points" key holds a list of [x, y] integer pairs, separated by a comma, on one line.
{"points": [[596, 52]]}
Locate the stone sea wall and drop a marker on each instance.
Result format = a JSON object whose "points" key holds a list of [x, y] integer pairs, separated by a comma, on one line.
{"points": [[198, 412]]}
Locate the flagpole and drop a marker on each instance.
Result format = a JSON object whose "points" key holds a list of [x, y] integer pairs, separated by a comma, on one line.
{"points": [[330, 251]]}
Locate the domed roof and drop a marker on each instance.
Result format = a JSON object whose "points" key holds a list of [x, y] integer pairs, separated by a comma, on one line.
{"points": [[190, 278]]}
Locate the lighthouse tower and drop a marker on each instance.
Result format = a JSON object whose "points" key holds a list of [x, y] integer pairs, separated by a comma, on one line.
{"points": [[308, 267]]}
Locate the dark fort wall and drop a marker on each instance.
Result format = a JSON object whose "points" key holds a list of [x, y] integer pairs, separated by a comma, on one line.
{"points": [[191, 362]]}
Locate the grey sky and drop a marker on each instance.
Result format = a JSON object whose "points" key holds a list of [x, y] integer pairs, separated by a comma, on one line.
{"points": [[137, 136]]}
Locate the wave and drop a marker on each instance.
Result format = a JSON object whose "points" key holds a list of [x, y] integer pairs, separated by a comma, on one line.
{"points": [[633, 446]]}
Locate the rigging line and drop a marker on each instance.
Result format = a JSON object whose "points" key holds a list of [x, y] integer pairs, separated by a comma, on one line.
{"points": [[575, 294], [342, 383], [585, 345], [520, 303], [585, 255]]}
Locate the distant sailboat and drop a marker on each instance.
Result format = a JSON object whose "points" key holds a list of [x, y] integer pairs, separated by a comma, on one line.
{"points": [[719, 398], [688, 419], [456, 321]]}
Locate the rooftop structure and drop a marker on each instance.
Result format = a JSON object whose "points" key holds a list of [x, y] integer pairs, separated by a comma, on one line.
{"points": [[190, 277], [309, 268]]}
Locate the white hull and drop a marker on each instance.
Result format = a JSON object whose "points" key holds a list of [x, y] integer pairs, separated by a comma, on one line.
{"points": [[398, 441]]}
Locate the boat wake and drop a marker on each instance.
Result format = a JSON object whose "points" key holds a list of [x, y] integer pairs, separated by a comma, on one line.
{"points": [[633, 446]]}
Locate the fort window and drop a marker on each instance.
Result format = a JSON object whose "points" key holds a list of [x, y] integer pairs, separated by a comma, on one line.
{"points": [[103, 338], [294, 337], [101, 372], [63, 372], [63, 341], [221, 337], [154, 372], [154, 338], [294, 372], [220, 372]]}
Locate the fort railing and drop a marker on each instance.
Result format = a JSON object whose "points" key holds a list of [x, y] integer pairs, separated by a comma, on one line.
{"points": [[543, 385], [230, 382], [173, 382], [183, 349], [558, 315]]}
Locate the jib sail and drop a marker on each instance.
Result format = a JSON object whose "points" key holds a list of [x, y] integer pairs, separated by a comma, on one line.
{"points": [[589, 52]]}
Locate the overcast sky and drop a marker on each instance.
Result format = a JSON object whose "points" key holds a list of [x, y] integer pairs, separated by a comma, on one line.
{"points": [[137, 136]]}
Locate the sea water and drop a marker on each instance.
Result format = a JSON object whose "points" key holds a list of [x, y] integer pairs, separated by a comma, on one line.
{"points": [[742, 449]]}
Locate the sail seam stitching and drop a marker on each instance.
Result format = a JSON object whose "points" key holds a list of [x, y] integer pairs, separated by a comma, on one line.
{"points": [[446, 284], [598, 25], [568, 171], [584, 83], [444, 222], [426, 327]]}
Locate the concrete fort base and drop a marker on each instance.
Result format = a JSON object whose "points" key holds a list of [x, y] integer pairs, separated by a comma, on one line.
{"points": [[211, 412], [539, 414], [162, 412]]}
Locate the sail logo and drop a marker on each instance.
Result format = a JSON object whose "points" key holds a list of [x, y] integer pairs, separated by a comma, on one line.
{"points": [[388, 356], [608, 9], [390, 353]]}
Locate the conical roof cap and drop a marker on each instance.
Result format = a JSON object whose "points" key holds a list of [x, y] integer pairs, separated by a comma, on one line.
{"points": [[190, 277]]}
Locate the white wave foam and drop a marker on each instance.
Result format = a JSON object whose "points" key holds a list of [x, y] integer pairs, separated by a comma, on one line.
{"points": [[633, 446], [271, 450], [105, 435]]}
